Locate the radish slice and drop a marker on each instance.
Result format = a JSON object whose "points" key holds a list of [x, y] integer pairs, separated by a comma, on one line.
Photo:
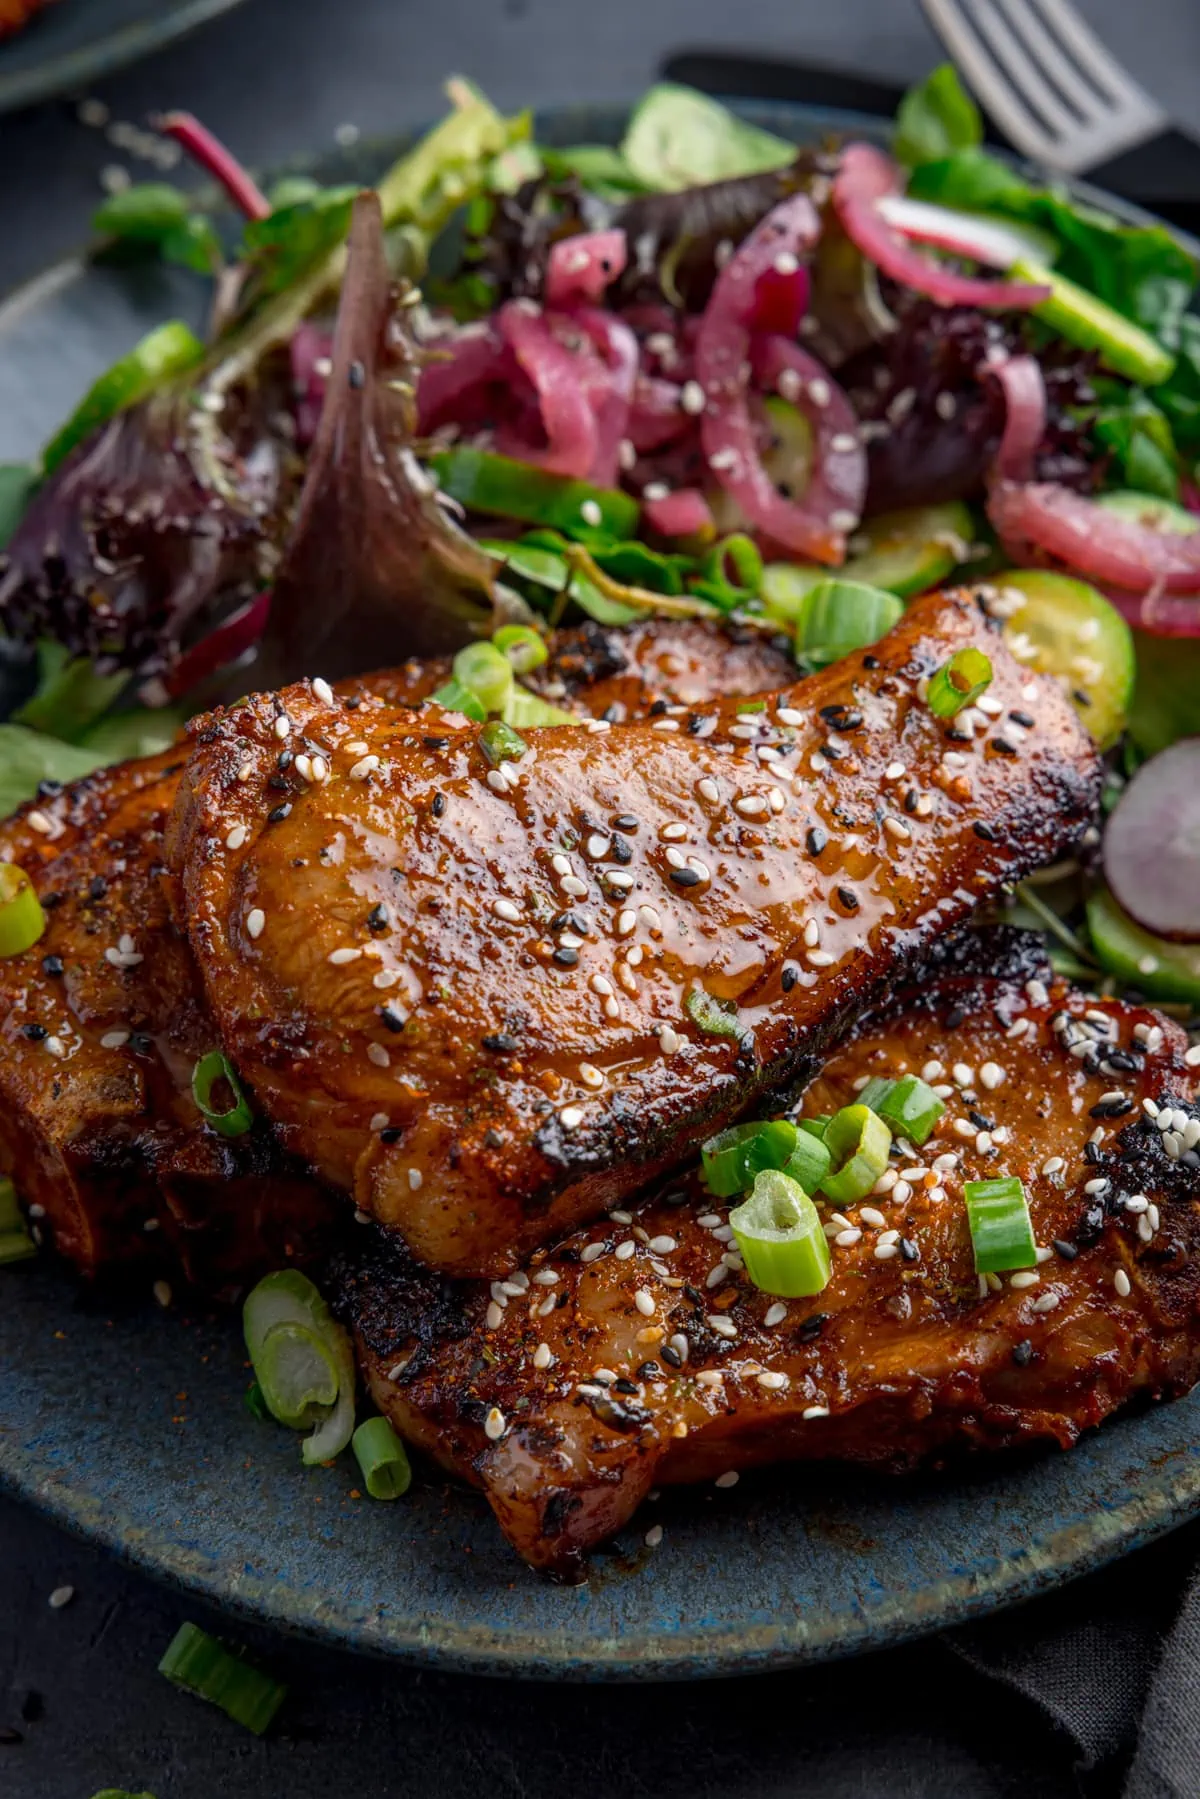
{"points": [[581, 267], [1152, 843], [1024, 390], [609, 387], [1161, 614], [993, 242], [865, 178]]}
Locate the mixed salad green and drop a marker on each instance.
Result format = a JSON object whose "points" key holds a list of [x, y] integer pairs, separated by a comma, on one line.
{"points": [[701, 373]]}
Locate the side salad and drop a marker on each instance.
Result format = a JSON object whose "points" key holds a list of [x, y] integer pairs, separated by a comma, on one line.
{"points": [[702, 373]]}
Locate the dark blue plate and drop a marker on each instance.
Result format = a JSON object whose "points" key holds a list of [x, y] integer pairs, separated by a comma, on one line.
{"points": [[128, 1426], [75, 42]]}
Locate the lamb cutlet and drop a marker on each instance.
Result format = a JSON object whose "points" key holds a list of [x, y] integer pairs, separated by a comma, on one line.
{"points": [[636, 1352], [104, 1019], [493, 997]]}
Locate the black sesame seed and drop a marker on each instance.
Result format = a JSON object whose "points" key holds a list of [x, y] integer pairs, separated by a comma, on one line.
{"points": [[353, 703], [1091, 1153], [285, 759], [1003, 747], [356, 374], [378, 918], [848, 898], [674, 1198], [1023, 719], [811, 1327], [657, 708], [391, 1134], [671, 1356], [830, 753], [279, 783], [50, 900], [1123, 1061], [648, 1371], [277, 814], [501, 1043], [954, 1017], [439, 805], [49, 790], [911, 799], [985, 831], [626, 821], [493, 1139], [685, 877], [435, 743], [980, 1122], [566, 958], [1068, 1251], [1080, 697], [620, 851], [621, 1385], [1112, 1108], [612, 714], [789, 976], [97, 888], [697, 723], [909, 1250], [1022, 1353], [816, 839], [53, 966], [870, 661], [569, 921], [140, 1043], [394, 1020], [36, 1033]]}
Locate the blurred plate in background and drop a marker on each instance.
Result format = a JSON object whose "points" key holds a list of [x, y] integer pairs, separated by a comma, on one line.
{"points": [[71, 43]]}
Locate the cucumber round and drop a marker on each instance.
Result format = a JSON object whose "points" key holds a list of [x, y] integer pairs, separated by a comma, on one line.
{"points": [[1151, 510], [787, 458], [1154, 965], [907, 553], [1076, 634]]}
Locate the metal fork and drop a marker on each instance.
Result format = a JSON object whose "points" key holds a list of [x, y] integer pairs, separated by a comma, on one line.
{"points": [[1052, 87]]}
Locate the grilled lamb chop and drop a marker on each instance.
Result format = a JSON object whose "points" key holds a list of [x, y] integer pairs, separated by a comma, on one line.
{"points": [[491, 1001], [636, 1352], [103, 1020]]}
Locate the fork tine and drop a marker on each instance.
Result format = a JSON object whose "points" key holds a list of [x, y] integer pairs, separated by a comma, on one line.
{"points": [[1008, 25], [991, 83], [1093, 59]]}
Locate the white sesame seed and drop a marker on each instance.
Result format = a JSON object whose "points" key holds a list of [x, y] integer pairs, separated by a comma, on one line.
{"points": [[255, 920], [869, 1215], [1099, 1185], [964, 1128], [162, 1293], [416, 1180], [570, 1118], [379, 1121], [884, 1252], [377, 1054], [1046, 1302], [59, 1597], [715, 1276], [364, 767], [323, 690], [495, 1424], [1153, 1215], [1026, 1278], [235, 838], [494, 1316], [591, 514], [654, 1536], [1121, 1283], [542, 1357], [624, 1250], [815, 1411], [283, 727], [772, 1381], [545, 1277], [991, 1075], [847, 1238], [723, 1327], [1147, 964], [115, 1039], [644, 1302], [572, 885]]}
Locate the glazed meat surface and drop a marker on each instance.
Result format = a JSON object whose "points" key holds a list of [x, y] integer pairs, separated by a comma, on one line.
{"points": [[637, 1352], [102, 1022], [492, 1001]]}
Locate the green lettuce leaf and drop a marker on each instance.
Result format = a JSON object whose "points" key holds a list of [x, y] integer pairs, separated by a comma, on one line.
{"points": [[159, 216], [936, 119], [677, 138], [1138, 436]]}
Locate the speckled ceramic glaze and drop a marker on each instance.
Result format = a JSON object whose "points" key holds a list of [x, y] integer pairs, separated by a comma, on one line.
{"points": [[127, 1425]]}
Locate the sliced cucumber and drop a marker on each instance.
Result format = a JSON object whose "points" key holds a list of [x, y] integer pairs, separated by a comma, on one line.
{"points": [[908, 553], [787, 458], [1084, 320], [1150, 510], [1155, 966], [1068, 629]]}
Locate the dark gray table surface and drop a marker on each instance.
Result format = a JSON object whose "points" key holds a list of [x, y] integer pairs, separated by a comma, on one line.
{"points": [[81, 1706]]}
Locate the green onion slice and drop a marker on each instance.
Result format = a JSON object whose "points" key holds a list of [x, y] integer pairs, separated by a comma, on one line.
{"points": [[778, 1231], [816, 1127], [382, 1458], [718, 1017], [1001, 1231], [236, 1119], [223, 1676], [909, 1107], [457, 698], [733, 1158], [858, 1142], [16, 1245], [524, 647], [959, 682], [302, 1361], [809, 1161], [836, 617], [167, 351], [22, 920], [527, 711], [487, 672], [500, 743]]}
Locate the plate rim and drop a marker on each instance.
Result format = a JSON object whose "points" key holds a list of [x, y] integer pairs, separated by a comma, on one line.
{"points": [[63, 70], [1063, 1554]]}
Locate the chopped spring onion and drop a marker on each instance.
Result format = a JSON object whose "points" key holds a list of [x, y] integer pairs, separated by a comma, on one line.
{"points": [[809, 1161], [457, 698], [22, 920], [236, 1119], [731, 573], [16, 1245], [858, 1143], [836, 617], [1001, 1231], [816, 1127], [779, 1233], [524, 647], [487, 672], [382, 1458], [201, 1665], [500, 743], [302, 1361], [733, 1158], [959, 682], [909, 1107], [718, 1017], [527, 711], [255, 1402]]}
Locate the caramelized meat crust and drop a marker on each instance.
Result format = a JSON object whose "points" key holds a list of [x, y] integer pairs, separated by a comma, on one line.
{"points": [[493, 1000], [636, 1352], [102, 1022]]}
